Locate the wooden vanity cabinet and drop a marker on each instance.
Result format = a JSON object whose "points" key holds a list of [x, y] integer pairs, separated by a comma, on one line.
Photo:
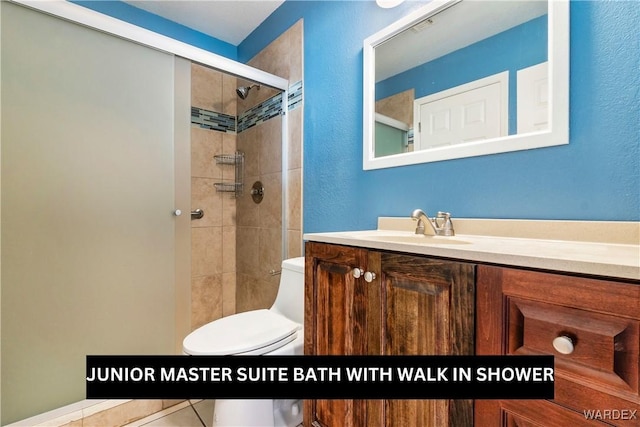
{"points": [[413, 306], [523, 312]]}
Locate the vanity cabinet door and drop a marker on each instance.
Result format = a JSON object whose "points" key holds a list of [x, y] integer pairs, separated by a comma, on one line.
{"points": [[427, 309], [399, 305], [591, 326], [335, 324]]}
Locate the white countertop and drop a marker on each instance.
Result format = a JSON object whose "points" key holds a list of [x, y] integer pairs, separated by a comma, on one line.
{"points": [[593, 258]]}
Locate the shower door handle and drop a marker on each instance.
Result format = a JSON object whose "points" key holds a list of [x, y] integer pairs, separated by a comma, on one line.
{"points": [[197, 214]]}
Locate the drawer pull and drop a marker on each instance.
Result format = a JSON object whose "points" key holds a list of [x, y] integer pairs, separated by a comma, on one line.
{"points": [[563, 344], [357, 272]]}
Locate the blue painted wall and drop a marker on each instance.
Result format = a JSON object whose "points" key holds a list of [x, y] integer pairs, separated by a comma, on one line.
{"points": [[595, 177], [158, 24], [511, 50]]}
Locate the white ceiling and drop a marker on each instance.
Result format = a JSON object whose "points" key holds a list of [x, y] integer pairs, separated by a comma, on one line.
{"points": [[226, 20]]}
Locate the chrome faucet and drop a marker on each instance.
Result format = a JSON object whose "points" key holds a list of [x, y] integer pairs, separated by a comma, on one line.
{"points": [[441, 224]]}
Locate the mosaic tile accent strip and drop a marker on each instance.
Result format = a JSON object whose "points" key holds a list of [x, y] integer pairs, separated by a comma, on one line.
{"points": [[270, 108], [262, 112], [295, 95], [212, 120]]}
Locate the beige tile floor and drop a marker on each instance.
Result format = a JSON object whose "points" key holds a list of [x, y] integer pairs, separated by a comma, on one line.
{"points": [[187, 414]]}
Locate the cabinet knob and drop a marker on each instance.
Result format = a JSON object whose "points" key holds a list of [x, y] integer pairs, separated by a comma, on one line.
{"points": [[357, 272], [563, 344], [369, 276]]}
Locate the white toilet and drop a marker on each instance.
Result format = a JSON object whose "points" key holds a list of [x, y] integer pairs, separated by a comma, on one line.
{"points": [[277, 331]]}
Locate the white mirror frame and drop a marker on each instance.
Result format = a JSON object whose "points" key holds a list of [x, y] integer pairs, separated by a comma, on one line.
{"points": [[557, 134]]}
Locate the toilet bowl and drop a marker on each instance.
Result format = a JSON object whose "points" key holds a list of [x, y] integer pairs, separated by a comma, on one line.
{"points": [[276, 331]]}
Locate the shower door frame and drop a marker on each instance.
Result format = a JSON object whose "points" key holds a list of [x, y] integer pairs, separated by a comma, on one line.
{"points": [[108, 24]]}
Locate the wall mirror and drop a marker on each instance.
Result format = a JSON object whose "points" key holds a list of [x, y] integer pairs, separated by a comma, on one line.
{"points": [[463, 78]]}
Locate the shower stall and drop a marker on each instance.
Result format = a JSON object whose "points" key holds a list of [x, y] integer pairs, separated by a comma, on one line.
{"points": [[237, 184], [102, 162]]}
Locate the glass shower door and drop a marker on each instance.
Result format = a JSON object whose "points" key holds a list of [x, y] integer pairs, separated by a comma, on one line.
{"points": [[88, 228]]}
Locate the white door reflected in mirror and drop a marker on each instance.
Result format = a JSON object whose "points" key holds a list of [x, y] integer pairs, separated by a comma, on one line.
{"points": [[474, 111], [461, 78]]}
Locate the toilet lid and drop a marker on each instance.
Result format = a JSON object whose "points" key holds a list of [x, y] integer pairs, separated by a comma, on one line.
{"points": [[241, 333]]}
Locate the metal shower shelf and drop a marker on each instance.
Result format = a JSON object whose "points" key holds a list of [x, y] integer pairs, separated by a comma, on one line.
{"points": [[229, 159], [228, 187], [236, 159]]}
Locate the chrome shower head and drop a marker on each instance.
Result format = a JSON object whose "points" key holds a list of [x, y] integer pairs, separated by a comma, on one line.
{"points": [[243, 91]]}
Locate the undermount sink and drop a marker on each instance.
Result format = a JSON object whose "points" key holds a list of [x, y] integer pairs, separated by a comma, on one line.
{"points": [[419, 239]]}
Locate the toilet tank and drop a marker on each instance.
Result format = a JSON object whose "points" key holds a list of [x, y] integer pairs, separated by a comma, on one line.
{"points": [[290, 299]]}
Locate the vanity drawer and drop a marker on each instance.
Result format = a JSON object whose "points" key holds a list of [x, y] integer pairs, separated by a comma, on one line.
{"points": [[594, 323], [526, 413], [592, 350]]}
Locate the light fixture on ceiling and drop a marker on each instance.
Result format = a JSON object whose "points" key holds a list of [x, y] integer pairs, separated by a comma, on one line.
{"points": [[388, 4]]}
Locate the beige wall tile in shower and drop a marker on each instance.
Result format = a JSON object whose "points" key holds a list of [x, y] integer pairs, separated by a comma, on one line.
{"points": [[268, 290], [270, 253], [205, 196], [205, 144], [229, 142], [213, 237], [254, 294], [228, 249], [271, 206], [294, 195], [206, 88], [295, 138], [270, 146], [248, 142], [275, 58], [294, 243], [206, 299], [229, 96], [246, 297], [247, 247], [206, 251], [255, 287], [229, 294], [228, 211], [247, 212], [228, 147], [283, 57], [278, 57]]}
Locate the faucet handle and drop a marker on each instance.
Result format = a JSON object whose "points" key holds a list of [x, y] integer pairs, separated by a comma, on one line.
{"points": [[447, 225]]}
